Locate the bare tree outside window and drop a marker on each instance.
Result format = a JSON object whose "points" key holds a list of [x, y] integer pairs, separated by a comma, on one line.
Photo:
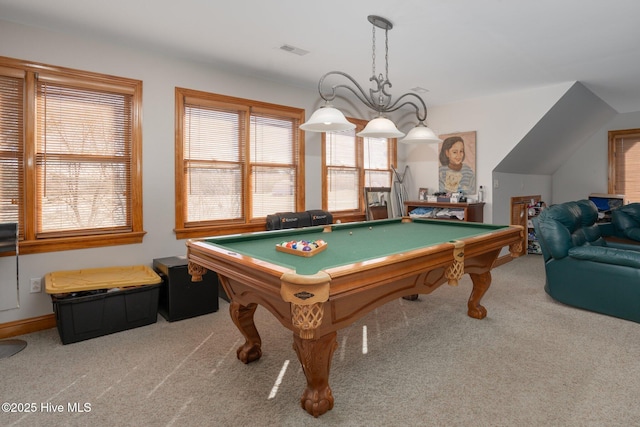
{"points": [[83, 160]]}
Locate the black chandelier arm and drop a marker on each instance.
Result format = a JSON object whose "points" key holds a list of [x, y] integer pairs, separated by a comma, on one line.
{"points": [[360, 93], [396, 106], [381, 107]]}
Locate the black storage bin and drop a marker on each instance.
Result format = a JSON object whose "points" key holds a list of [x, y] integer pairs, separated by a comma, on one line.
{"points": [[96, 313], [180, 297]]}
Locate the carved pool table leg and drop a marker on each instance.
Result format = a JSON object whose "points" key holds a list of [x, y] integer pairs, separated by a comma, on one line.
{"points": [[242, 316], [315, 357], [481, 283]]}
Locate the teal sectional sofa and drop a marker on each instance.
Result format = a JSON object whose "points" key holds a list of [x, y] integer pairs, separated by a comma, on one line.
{"points": [[584, 269]]}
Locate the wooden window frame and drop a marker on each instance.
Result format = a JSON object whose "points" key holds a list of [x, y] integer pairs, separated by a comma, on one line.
{"points": [[612, 157], [182, 228], [358, 214], [30, 242]]}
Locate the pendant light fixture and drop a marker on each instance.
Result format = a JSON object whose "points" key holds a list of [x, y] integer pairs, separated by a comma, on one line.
{"points": [[329, 119]]}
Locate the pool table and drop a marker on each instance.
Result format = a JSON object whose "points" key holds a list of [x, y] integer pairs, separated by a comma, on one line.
{"points": [[364, 265]]}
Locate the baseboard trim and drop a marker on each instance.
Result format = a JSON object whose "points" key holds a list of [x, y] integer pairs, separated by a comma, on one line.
{"points": [[27, 326]]}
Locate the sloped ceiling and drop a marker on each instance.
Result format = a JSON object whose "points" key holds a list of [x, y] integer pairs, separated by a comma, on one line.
{"points": [[559, 133]]}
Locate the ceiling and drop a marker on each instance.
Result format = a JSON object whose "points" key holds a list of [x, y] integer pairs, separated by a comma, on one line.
{"points": [[457, 49]]}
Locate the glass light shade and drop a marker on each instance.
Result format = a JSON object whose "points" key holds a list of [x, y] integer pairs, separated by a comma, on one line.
{"points": [[380, 128], [327, 119], [420, 134]]}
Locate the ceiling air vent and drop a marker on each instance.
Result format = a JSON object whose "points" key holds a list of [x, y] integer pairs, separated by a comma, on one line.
{"points": [[294, 50]]}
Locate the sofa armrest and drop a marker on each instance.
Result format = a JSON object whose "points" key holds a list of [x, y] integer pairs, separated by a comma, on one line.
{"points": [[626, 221], [606, 255], [622, 243]]}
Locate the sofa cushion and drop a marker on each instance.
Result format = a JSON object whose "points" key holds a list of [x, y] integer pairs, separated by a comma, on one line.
{"points": [[589, 232], [561, 227], [626, 221]]}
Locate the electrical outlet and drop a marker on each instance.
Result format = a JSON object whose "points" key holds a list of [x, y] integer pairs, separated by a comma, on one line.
{"points": [[36, 285]]}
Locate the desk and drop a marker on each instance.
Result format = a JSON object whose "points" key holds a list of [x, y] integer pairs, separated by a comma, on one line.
{"points": [[364, 266], [473, 212]]}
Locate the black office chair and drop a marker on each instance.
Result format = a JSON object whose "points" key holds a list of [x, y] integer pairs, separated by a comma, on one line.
{"points": [[9, 243]]}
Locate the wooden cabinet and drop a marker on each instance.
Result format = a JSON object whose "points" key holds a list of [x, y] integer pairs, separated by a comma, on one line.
{"points": [[471, 212], [523, 210]]}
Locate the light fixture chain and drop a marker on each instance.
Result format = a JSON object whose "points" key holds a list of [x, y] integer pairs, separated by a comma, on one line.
{"points": [[386, 53], [373, 53]]}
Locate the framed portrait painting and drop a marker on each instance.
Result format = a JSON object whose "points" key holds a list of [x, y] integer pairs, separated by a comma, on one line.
{"points": [[457, 163]]}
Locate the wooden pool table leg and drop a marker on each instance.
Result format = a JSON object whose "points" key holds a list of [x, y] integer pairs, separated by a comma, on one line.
{"points": [[481, 283], [315, 357], [243, 318]]}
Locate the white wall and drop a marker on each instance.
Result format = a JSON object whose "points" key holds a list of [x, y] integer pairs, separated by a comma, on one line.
{"points": [[160, 75], [586, 171], [511, 185], [501, 121]]}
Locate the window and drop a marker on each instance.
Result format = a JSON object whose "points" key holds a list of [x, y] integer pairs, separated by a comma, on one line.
{"points": [[237, 161], [70, 148], [624, 164], [351, 163]]}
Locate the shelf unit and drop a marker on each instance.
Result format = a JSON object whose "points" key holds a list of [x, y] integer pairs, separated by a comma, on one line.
{"points": [[523, 211], [471, 212]]}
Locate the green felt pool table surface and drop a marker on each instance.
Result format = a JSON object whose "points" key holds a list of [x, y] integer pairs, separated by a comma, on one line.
{"points": [[351, 242]]}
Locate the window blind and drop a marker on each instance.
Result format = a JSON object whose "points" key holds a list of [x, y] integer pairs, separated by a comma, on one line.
{"points": [[83, 159], [229, 179], [376, 162], [343, 176], [627, 166], [70, 156], [214, 152], [11, 146], [237, 161], [353, 163], [274, 158]]}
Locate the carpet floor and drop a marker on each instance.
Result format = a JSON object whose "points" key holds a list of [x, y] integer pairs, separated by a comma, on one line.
{"points": [[530, 362]]}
